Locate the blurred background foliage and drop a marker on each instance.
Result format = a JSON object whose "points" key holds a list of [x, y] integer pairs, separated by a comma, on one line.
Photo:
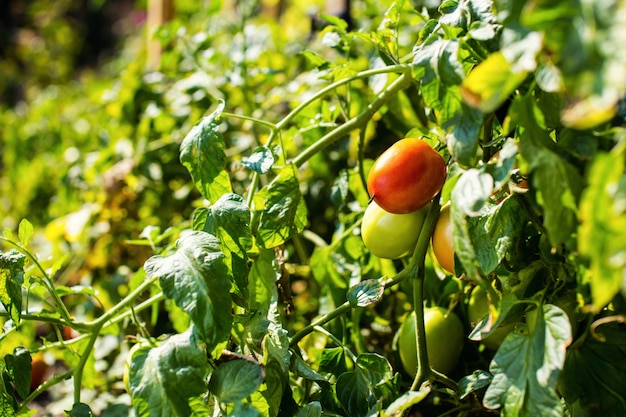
{"points": [[90, 133]]}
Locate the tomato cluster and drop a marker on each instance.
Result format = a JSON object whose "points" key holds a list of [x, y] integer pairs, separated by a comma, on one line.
{"points": [[401, 183]]}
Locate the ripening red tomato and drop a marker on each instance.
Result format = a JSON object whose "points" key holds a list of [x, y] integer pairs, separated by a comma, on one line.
{"points": [[407, 176], [442, 240], [39, 369]]}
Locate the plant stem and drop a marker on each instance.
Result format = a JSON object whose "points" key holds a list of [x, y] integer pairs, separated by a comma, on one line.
{"points": [[255, 120], [358, 121], [403, 68], [96, 326], [423, 365], [344, 308], [47, 384], [49, 284], [417, 269]]}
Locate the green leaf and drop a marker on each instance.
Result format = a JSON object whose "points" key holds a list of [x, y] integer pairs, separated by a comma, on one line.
{"points": [[315, 60], [202, 153], [365, 293], [197, 279], [80, 410], [372, 380], [11, 280], [18, 366], [229, 220], [301, 368], [407, 400], [601, 237], [463, 126], [283, 211], [501, 169], [169, 380], [312, 409], [333, 361], [437, 62], [340, 189], [594, 375], [440, 72], [469, 384], [484, 240], [526, 367], [263, 277], [244, 410], [25, 231], [557, 182], [235, 380], [472, 191], [491, 82], [275, 386], [260, 161]]}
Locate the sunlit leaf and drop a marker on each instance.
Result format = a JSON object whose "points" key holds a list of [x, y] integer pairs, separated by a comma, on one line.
{"points": [[601, 237], [168, 380], [197, 279], [469, 384], [229, 220], [25, 231], [407, 400], [283, 211], [472, 191], [483, 240], [490, 83], [202, 153], [11, 280], [365, 293], [235, 380], [260, 161], [526, 367]]}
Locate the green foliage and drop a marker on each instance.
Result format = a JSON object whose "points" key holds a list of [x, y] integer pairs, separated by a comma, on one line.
{"points": [[210, 208]]}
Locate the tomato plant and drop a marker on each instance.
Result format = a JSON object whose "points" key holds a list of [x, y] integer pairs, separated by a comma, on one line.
{"points": [[444, 340], [389, 235], [406, 176], [216, 208]]}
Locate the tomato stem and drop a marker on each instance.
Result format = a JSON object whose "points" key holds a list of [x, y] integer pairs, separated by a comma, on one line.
{"points": [[416, 266], [358, 121]]}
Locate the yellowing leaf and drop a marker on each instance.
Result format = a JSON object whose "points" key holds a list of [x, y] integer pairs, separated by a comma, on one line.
{"points": [[489, 84]]}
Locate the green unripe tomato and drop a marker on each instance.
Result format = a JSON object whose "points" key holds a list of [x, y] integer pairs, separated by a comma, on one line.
{"points": [[477, 308], [444, 340], [388, 235]]}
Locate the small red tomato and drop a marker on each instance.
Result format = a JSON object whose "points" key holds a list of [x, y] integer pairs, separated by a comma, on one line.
{"points": [[407, 176]]}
